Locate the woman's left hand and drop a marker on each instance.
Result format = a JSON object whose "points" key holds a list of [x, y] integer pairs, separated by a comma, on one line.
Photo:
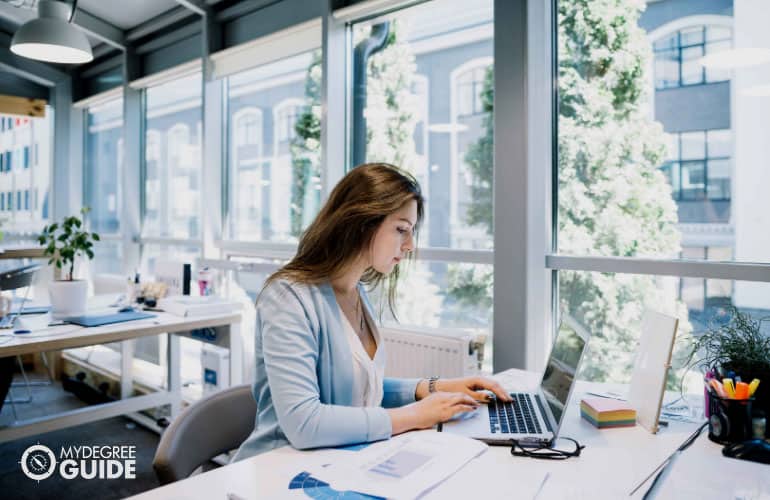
{"points": [[474, 387]]}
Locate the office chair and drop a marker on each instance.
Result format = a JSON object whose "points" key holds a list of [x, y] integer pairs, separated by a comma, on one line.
{"points": [[216, 424], [13, 279]]}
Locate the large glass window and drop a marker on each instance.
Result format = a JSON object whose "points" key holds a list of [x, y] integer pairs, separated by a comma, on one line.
{"points": [[102, 170], [428, 108], [25, 171], [677, 56], [173, 159], [704, 203], [274, 176]]}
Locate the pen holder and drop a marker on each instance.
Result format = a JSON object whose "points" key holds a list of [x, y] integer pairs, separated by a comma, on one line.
{"points": [[729, 419]]}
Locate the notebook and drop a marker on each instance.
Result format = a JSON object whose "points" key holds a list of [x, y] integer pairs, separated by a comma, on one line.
{"points": [[107, 319]]}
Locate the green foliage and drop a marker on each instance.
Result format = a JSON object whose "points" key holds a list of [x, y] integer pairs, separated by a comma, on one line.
{"points": [[467, 284], [480, 161], [306, 148], [613, 200], [67, 240], [738, 345]]}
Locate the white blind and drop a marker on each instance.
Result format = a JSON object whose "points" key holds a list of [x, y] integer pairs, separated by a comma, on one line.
{"points": [[369, 8], [279, 45], [97, 99], [168, 75]]}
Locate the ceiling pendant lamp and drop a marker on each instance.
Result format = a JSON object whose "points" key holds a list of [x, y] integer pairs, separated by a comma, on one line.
{"points": [[52, 37]]}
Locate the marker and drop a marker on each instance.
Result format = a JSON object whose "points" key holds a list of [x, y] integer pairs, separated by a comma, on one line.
{"points": [[727, 383], [753, 386], [718, 388], [741, 390]]}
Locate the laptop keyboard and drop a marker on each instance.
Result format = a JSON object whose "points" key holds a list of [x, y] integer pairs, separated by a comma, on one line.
{"points": [[516, 417]]}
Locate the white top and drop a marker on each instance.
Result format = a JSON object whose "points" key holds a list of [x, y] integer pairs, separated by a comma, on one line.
{"points": [[368, 373]]}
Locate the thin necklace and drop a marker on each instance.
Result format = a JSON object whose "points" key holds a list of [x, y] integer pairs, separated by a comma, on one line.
{"points": [[359, 311]]}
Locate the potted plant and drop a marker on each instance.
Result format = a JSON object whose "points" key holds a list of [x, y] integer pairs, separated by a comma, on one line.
{"points": [[737, 344], [64, 242]]}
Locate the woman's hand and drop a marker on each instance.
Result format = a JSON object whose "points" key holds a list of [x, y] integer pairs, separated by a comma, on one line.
{"points": [[437, 407], [472, 386]]}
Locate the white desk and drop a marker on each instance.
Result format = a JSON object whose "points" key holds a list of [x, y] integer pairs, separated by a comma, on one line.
{"points": [[613, 462], [68, 336]]}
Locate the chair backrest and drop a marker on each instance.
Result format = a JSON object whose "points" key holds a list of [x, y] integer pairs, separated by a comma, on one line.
{"points": [[18, 278], [216, 424]]}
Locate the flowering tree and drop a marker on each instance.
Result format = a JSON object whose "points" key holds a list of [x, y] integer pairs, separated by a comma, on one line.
{"points": [[613, 199]]}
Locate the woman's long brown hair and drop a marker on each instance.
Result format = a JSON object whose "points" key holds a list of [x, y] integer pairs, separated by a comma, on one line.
{"points": [[347, 223]]}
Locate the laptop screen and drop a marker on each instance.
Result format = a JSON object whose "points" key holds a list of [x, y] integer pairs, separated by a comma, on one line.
{"points": [[560, 371]]}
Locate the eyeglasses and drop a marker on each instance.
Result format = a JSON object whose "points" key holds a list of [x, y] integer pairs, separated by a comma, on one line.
{"points": [[545, 452]]}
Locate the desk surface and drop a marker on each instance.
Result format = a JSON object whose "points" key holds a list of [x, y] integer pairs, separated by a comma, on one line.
{"points": [[67, 336], [613, 462]]}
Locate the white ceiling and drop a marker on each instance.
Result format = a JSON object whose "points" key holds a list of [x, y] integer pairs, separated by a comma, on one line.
{"points": [[126, 14]]}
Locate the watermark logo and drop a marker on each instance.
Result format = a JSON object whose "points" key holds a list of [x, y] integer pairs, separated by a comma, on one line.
{"points": [[39, 462]]}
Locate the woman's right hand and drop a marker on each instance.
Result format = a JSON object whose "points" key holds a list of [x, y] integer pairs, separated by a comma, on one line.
{"points": [[427, 412]]}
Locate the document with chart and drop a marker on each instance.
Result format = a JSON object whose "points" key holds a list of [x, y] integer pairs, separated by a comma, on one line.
{"points": [[403, 467]]}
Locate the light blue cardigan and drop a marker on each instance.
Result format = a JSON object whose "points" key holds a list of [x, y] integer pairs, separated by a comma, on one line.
{"points": [[304, 375]]}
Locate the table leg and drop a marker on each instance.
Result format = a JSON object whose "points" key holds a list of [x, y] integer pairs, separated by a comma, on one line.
{"points": [[127, 368], [174, 374], [235, 343]]}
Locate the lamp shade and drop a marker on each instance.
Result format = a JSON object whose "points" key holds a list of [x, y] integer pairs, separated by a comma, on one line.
{"points": [[51, 37]]}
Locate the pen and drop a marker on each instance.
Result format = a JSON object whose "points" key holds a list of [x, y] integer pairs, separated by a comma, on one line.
{"points": [[542, 483]]}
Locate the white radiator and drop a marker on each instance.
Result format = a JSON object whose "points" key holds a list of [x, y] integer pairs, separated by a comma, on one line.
{"points": [[420, 353]]}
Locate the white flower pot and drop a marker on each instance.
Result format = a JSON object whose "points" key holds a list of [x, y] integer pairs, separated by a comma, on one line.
{"points": [[68, 298]]}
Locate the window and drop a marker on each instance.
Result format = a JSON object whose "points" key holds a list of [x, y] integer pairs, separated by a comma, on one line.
{"points": [[699, 165], [248, 128], [25, 168], [274, 163], [173, 159], [676, 214], [677, 56], [439, 127], [285, 116], [103, 165], [468, 87], [467, 119]]}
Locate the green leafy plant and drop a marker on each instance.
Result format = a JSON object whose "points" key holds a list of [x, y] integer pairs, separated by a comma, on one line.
{"points": [[67, 240], [737, 345]]}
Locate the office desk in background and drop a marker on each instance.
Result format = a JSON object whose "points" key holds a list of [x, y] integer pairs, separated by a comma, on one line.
{"points": [[612, 464], [69, 336], [21, 252]]}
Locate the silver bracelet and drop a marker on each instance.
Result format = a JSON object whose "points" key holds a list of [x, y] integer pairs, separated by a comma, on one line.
{"points": [[432, 384]]}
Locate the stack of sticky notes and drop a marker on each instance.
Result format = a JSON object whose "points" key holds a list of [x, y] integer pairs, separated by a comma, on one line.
{"points": [[605, 412]]}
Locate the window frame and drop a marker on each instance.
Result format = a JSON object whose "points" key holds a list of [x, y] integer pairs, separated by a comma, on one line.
{"points": [[679, 48]]}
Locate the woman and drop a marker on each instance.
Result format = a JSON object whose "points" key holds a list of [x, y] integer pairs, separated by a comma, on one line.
{"points": [[320, 359]]}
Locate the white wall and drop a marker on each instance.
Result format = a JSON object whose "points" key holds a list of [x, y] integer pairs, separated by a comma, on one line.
{"points": [[751, 125]]}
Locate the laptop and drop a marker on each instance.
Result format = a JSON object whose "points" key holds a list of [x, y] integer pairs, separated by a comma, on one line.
{"points": [[533, 417]]}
